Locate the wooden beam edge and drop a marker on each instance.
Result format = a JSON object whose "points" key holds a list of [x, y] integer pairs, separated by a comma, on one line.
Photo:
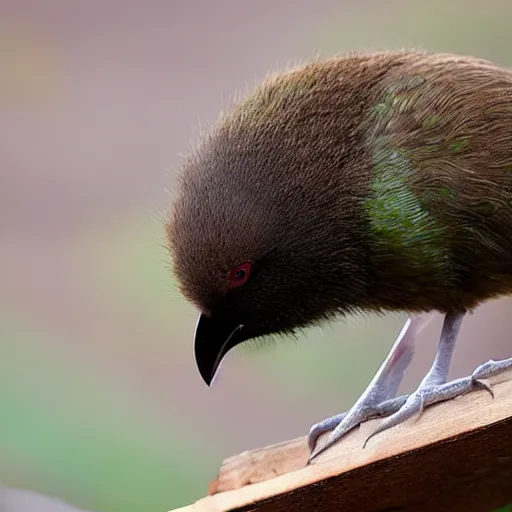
{"points": [[261, 474]]}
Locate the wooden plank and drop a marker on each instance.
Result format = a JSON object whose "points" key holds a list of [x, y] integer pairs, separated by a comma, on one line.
{"points": [[457, 456]]}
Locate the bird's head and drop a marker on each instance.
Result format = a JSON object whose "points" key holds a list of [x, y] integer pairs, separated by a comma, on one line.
{"points": [[263, 239]]}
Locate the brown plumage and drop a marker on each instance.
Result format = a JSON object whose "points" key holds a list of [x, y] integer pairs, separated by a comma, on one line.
{"points": [[370, 182]]}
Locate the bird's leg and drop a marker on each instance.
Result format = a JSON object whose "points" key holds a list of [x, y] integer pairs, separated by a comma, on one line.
{"points": [[378, 398], [433, 387]]}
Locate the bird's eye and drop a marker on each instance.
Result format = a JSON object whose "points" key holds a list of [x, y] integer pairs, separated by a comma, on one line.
{"points": [[239, 275]]}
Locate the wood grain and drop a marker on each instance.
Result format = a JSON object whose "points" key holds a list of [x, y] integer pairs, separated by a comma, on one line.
{"points": [[457, 456]]}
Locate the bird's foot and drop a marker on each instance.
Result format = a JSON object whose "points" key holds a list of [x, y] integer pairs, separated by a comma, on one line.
{"points": [[378, 400], [342, 423], [427, 395]]}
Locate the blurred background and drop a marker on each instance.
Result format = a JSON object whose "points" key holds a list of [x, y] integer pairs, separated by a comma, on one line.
{"points": [[101, 404]]}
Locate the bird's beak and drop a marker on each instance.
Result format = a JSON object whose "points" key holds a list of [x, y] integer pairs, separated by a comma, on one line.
{"points": [[213, 339]]}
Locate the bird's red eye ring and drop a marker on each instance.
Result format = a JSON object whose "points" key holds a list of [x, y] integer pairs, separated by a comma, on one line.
{"points": [[239, 275]]}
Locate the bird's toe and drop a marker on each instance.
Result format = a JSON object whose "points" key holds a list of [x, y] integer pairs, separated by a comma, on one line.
{"points": [[492, 368], [322, 427]]}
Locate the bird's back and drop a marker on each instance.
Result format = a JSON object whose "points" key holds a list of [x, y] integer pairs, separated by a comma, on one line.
{"points": [[440, 202]]}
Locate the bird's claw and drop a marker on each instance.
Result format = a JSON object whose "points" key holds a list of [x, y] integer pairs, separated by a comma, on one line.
{"points": [[415, 404], [323, 426], [397, 410], [343, 423], [430, 395], [484, 384]]}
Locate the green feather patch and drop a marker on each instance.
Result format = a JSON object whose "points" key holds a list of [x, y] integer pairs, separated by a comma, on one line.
{"points": [[402, 229], [400, 223]]}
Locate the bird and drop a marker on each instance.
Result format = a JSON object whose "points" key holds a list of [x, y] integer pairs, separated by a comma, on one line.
{"points": [[373, 182]]}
